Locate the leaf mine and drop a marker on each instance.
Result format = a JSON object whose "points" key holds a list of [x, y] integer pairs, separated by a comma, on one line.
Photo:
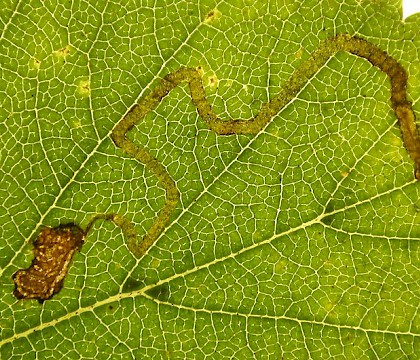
{"points": [[193, 77], [54, 250]]}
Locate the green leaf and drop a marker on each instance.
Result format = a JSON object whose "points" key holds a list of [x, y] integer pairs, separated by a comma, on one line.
{"points": [[299, 242]]}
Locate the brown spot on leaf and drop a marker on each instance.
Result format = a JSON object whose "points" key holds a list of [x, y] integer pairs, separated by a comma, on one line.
{"points": [[54, 250], [212, 15]]}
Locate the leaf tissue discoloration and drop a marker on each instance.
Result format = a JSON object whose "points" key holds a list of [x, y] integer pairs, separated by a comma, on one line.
{"points": [[193, 77], [54, 250]]}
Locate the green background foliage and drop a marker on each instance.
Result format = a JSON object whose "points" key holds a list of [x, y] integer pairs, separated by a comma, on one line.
{"points": [[300, 242]]}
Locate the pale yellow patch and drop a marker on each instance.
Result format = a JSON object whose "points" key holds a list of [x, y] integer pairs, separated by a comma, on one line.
{"points": [[83, 88], [212, 81], [76, 124], [34, 64], [212, 15], [344, 174], [200, 69], [299, 53], [329, 306], [396, 141], [280, 267], [328, 264], [156, 263], [64, 52]]}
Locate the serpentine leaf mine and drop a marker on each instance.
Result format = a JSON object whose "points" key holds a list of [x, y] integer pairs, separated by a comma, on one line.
{"points": [[328, 48], [55, 247]]}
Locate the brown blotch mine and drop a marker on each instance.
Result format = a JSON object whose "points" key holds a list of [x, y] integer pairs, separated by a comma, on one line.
{"points": [[54, 250]]}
